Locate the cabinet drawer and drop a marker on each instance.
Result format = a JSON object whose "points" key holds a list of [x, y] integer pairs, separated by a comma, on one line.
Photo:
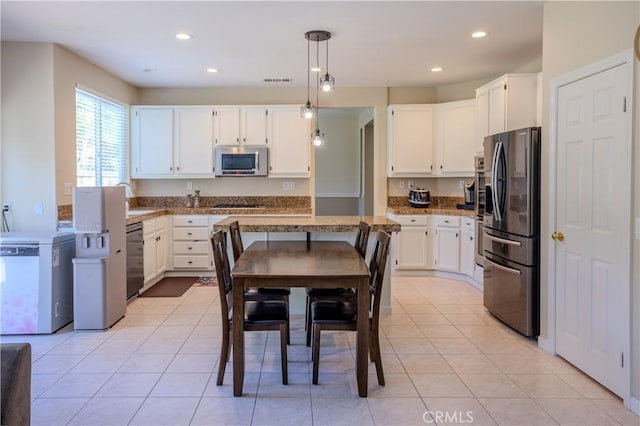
{"points": [[413, 219], [191, 262], [453, 221], [148, 227], [190, 234], [191, 247], [191, 221], [468, 223]]}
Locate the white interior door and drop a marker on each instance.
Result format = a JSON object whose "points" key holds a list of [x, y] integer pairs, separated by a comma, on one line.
{"points": [[593, 214]]}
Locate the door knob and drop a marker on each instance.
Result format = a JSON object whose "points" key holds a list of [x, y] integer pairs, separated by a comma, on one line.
{"points": [[558, 236]]}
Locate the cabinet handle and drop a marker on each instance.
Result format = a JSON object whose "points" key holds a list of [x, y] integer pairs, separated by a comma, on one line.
{"points": [[431, 167], [456, 235], [190, 248], [170, 168], [391, 168], [189, 221], [238, 140], [244, 140], [446, 221], [413, 220], [440, 166], [178, 168], [189, 233], [189, 262], [470, 238]]}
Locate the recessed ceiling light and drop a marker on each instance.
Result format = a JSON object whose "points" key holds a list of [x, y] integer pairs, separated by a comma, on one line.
{"points": [[184, 36], [316, 69], [436, 69], [479, 34], [212, 70]]}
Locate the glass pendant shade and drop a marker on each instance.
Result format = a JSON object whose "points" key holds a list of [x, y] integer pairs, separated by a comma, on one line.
{"points": [[317, 138], [327, 83], [307, 111]]}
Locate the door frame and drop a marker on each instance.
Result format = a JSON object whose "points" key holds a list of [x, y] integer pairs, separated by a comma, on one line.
{"points": [[624, 58]]}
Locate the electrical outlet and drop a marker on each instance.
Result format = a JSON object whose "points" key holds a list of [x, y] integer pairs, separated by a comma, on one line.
{"points": [[410, 184], [461, 184], [401, 184], [68, 188], [6, 207], [38, 209], [189, 185], [288, 186]]}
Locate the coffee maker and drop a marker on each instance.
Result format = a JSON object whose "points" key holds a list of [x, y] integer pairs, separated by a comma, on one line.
{"points": [[469, 188]]}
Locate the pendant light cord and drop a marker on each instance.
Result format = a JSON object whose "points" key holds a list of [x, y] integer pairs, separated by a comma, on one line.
{"points": [[308, 68], [317, 83]]}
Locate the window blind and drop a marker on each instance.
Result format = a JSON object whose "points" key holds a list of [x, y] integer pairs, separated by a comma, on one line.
{"points": [[101, 141]]}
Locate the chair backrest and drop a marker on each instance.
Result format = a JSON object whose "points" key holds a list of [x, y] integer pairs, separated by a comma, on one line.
{"points": [[377, 265], [236, 240], [223, 273], [362, 239]]}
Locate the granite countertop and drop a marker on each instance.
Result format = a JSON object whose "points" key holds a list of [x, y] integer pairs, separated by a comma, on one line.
{"points": [[307, 224], [136, 215], [439, 205]]}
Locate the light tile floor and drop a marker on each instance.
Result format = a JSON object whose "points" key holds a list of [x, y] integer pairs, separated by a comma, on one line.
{"points": [[446, 361]]}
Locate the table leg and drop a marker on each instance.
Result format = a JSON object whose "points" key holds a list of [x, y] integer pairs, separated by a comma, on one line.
{"points": [[238, 336], [362, 349]]}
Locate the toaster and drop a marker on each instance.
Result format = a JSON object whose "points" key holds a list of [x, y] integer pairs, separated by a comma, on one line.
{"points": [[419, 198]]}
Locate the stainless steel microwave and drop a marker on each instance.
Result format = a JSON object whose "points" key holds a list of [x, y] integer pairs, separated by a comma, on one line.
{"points": [[241, 161]]}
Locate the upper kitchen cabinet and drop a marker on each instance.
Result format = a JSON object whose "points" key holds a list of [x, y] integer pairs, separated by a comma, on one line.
{"points": [[454, 145], [410, 140], [241, 125], [505, 104], [289, 142], [171, 141]]}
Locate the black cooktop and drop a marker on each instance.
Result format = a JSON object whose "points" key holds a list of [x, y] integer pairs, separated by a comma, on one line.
{"points": [[238, 206]]}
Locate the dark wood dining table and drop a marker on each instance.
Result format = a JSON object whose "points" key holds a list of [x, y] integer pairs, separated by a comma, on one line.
{"points": [[317, 264]]}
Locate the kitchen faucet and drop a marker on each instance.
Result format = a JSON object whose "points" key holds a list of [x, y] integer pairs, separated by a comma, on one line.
{"points": [[127, 186]]}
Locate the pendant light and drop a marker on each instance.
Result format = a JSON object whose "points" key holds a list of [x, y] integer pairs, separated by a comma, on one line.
{"points": [[327, 82], [308, 111], [317, 138]]}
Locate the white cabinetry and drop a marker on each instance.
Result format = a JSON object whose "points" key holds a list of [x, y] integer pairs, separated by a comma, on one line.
{"points": [[190, 246], [171, 141], [412, 245], [467, 246], [454, 146], [447, 243], [507, 103], [241, 125], [155, 247], [289, 142], [410, 140]]}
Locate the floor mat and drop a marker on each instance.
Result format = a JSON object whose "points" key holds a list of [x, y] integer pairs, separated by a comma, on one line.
{"points": [[170, 287], [206, 281]]}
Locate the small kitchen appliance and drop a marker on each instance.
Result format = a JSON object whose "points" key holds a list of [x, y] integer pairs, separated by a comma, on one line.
{"points": [[419, 198], [469, 187], [100, 265], [241, 161]]}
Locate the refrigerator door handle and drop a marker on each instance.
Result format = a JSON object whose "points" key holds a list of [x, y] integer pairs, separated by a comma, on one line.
{"points": [[503, 240], [501, 267], [494, 182]]}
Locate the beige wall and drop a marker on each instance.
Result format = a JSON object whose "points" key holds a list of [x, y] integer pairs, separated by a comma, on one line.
{"points": [[577, 34], [443, 187], [28, 144], [70, 70], [337, 161]]}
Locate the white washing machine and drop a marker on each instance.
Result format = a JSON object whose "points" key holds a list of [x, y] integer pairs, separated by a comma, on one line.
{"points": [[36, 281]]}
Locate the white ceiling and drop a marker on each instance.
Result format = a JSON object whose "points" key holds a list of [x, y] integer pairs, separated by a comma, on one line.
{"points": [[374, 43]]}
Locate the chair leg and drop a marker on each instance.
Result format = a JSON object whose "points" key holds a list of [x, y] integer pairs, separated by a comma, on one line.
{"points": [[284, 332], [316, 352], [307, 321], [377, 356], [286, 300], [224, 356]]}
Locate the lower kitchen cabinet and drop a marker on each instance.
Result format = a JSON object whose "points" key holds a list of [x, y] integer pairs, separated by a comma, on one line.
{"points": [[155, 247], [434, 242], [467, 246], [191, 245], [447, 243]]}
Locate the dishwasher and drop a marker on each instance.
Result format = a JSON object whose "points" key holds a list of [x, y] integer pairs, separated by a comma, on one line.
{"points": [[36, 282], [135, 260]]}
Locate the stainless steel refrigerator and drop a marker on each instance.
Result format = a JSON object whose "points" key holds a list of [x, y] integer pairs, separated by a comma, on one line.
{"points": [[99, 268], [511, 228]]}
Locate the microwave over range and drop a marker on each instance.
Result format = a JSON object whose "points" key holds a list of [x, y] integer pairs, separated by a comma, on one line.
{"points": [[241, 161]]}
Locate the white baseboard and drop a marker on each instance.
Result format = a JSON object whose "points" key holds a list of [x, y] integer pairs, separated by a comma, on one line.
{"points": [[546, 345], [634, 405], [440, 274], [385, 310]]}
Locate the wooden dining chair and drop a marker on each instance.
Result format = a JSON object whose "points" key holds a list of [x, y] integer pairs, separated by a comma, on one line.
{"points": [[259, 294], [339, 315], [336, 294], [259, 315]]}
